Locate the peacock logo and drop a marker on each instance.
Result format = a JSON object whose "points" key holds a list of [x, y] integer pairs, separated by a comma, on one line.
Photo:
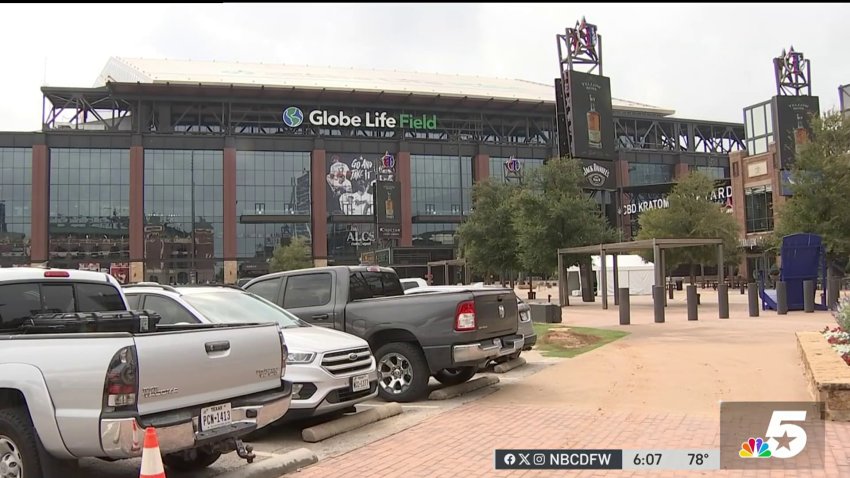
{"points": [[754, 448]]}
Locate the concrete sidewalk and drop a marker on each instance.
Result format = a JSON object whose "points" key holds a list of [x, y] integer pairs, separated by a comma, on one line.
{"points": [[461, 443], [659, 387]]}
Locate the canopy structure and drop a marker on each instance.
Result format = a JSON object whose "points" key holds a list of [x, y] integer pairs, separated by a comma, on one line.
{"points": [[446, 265], [658, 247]]}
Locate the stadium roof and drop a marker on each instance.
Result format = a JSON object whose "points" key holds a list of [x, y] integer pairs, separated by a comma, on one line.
{"points": [[189, 72]]}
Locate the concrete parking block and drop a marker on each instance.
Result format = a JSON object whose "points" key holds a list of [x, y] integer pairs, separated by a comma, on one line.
{"points": [[463, 388], [275, 466], [509, 365], [346, 424]]}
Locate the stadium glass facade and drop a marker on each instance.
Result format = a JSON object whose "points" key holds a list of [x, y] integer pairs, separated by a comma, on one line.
{"points": [[194, 183]]}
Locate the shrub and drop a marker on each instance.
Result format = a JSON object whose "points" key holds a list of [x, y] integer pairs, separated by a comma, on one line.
{"points": [[842, 313]]}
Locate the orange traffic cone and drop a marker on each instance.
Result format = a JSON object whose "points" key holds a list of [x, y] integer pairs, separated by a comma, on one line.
{"points": [[151, 456]]}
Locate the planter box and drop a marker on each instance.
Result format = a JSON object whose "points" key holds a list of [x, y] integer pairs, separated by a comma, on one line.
{"points": [[827, 374], [545, 313]]}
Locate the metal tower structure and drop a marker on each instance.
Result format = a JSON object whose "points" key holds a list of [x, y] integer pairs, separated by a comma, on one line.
{"points": [[793, 74], [579, 49]]}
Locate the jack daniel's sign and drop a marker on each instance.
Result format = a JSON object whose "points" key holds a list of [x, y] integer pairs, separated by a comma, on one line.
{"points": [[598, 174]]}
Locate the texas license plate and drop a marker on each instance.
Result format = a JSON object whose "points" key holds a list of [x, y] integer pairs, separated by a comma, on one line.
{"points": [[359, 383], [215, 417]]}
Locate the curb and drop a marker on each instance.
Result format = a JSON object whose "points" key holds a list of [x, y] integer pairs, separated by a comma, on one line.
{"points": [[276, 466], [463, 388], [510, 365], [349, 423]]}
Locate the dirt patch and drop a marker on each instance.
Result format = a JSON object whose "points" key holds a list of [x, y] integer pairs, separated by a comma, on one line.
{"points": [[566, 338]]}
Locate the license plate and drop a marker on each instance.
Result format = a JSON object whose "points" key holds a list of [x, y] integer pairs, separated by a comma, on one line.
{"points": [[359, 383], [215, 417]]}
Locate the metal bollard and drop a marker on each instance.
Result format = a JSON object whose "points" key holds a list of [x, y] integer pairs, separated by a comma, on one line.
{"points": [[781, 298], [753, 298], [832, 293], [550, 298], [670, 292], [808, 296], [692, 302], [658, 303], [625, 309], [723, 301]]}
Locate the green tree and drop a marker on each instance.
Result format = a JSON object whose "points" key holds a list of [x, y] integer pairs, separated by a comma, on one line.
{"points": [[295, 255], [488, 239], [553, 211], [691, 215], [821, 187]]}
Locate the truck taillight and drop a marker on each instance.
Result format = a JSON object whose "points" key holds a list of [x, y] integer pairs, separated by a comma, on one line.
{"points": [[465, 316], [284, 352], [121, 389]]}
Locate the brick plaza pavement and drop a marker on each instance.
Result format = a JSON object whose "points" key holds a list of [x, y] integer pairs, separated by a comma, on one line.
{"points": [[460, 443]]}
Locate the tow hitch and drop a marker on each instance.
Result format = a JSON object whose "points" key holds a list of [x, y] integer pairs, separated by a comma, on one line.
{"points": [[244, 451]]}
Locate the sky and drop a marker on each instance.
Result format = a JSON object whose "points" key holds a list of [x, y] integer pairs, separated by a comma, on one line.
{"points": [[706, 61]]}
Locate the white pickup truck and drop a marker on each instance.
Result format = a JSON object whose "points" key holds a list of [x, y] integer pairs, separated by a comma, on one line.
{"points": [[66, 394]]}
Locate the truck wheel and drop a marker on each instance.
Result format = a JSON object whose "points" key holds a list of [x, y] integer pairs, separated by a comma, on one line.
{"points": [[454, 376], [181, 462], [21, 453], [403, 373]]}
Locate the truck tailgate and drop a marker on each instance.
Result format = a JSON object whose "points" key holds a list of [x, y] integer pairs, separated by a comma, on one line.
{"points": [[495, 313], [187, 368]]}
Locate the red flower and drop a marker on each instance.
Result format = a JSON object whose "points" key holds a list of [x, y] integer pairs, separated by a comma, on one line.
{"points": [[846, 358]]}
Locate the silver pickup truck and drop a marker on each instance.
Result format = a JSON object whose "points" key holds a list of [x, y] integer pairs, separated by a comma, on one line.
{"points": [[65, 396]]}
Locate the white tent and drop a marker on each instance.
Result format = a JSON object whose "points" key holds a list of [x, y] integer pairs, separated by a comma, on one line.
{"points": [[634, 273]]}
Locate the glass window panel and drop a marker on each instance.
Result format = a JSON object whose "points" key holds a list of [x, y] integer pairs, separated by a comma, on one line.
{"points": [[89, 217], [768, 111], [759, 125], [15, 198], [182, 243], [269, 178]]}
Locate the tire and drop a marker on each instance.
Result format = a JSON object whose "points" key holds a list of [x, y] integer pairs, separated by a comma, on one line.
{"points": [[455, 376], [403, 373], [180, 462], [21, 447]]}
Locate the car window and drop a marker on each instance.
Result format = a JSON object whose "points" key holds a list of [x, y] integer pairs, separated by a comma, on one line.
{"points": [[170, 311], [133, 301], [308, 290], [382, 284], [358, 289], [98, 298], [392, 284], [236, 307], [409, 285], [266, 289], [18, 302], [58, 298]]}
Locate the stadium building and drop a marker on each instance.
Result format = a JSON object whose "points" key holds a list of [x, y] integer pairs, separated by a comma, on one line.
{"points": [[185, 171]]}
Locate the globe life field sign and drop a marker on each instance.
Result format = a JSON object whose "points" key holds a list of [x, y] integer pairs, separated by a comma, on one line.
{"points": [[294, 117]]}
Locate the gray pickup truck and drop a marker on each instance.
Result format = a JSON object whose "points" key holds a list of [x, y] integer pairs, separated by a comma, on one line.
{"points": [[447, 335], [71, 389]]}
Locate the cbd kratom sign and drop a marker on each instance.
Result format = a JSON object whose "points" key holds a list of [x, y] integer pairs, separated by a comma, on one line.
{"points": [[293, 117]]}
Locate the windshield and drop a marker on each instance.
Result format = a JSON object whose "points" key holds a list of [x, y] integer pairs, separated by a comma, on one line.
{"points": [[235, 307]]}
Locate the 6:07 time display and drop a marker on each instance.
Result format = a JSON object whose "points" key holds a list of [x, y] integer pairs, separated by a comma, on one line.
{"points": [[648, 459]]}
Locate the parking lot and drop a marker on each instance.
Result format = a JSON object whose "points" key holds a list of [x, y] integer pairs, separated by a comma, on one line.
{"points": [[281, 439]]}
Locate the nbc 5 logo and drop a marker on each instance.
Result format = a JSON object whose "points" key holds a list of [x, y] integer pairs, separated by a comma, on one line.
{"points": [[786, 440], [293, 117]]}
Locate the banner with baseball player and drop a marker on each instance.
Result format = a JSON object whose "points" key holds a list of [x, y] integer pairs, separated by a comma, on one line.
{"points": [[351, 181]]}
